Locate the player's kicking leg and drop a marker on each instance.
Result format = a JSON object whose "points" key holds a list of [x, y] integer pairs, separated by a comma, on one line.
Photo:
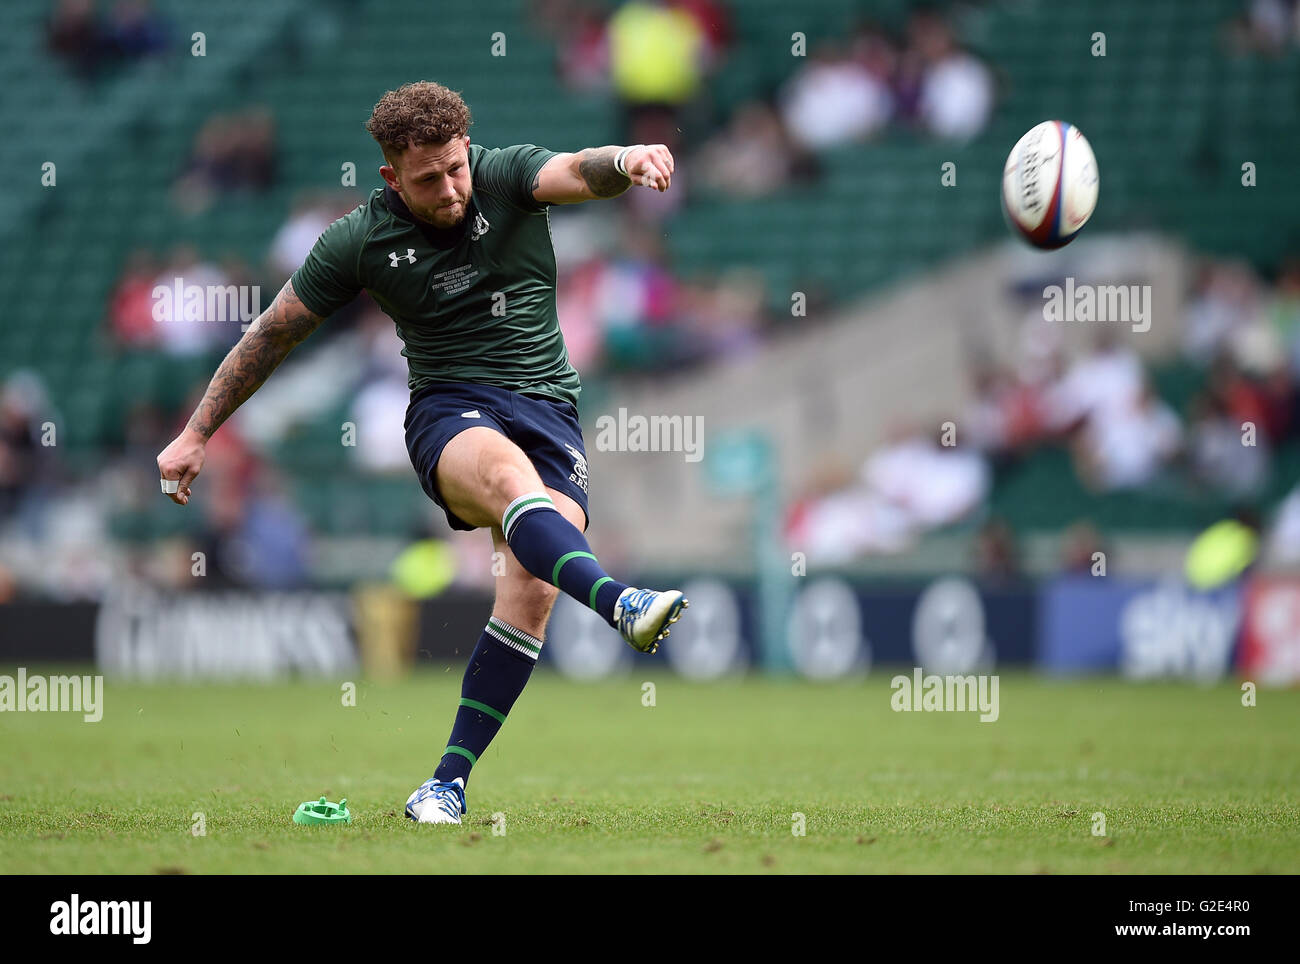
{"points": [[487, 480], [483, 476]]}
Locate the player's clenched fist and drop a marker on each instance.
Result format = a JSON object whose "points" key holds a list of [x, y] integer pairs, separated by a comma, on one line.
{"points": [[179, 464], [650, 165]]}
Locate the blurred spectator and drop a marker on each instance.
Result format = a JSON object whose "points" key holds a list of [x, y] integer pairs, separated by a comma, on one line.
{"points": [[1082, 550], [379, 413], [177, 330], [131, 304], [1109, 377], [25, 463], [89, 43], [753, 156], [579, 28], [426, 567], [627, 312], [310, 216], [836, 525], [657, 56], [252, 537], [76, 34], [583, 59], [274, 540], [577, 305], [379, 408], [1219, 457], [937, 484], [714, 21], [1006, 414], [232, 153], [1284, 535], [876, 52], [636, 299], [947, 91], [997, 556], [1121, 435], [1265, 26], [1223, 552], [834, 99], [134, 30], [1125, 445], [1263, 402], [1225, 300], [725, 316], [382, 346], [911, 485]]}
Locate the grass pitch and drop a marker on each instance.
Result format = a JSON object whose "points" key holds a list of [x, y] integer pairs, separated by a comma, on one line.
{"points": [[709, 779]]}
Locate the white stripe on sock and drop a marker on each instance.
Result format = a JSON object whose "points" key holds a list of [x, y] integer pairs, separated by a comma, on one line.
{"points": [[505, 639], [528, 496]]}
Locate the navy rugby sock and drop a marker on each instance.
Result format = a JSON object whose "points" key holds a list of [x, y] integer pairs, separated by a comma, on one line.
{"points": [[551, 548], [497, 673]]}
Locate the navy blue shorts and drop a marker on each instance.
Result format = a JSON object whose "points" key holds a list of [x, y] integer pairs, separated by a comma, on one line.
{"points": [[547, 430]]}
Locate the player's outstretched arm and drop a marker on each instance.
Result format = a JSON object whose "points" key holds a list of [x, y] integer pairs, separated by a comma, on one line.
{"points": [[275, 333], [594, 173]]}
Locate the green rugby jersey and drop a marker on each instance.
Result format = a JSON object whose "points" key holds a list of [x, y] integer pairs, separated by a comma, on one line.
{"points": [[474, 303]]}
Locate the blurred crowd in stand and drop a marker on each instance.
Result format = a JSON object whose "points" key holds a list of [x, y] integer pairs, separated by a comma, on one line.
{"points": [[1241, 343], [628, 313]]}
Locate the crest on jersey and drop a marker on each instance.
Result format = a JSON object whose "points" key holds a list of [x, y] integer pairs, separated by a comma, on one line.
{"points": [[579, 474], [394, 257], [481, 227]]}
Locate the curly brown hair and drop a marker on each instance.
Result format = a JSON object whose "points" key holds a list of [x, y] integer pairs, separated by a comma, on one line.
{"points": [[418, 114]]}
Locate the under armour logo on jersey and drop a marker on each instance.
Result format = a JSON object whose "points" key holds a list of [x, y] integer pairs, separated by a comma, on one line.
{"points": [[394, 257], [481, 227]]}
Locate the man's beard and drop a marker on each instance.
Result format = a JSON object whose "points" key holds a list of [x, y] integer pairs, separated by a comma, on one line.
{"points": [[443, 218]]}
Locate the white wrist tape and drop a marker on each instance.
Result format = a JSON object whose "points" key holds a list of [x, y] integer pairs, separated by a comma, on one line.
{"points": [[620, 159]]}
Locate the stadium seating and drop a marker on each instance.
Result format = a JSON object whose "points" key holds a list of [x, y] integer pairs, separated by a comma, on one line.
{"points": [[879, 216]]}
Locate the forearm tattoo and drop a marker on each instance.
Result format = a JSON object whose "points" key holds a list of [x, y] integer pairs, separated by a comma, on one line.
{"points": [[268, 340], [596, 165]]}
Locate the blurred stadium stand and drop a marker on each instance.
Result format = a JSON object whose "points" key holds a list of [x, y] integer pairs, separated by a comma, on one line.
{"points": [[875, 219]]}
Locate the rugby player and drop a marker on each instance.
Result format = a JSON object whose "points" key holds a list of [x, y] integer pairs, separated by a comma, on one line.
{"points": [[456, 249]]}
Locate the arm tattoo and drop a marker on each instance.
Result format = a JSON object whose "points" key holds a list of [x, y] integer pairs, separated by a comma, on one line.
{"points": [[596, 167], [271, 337]]}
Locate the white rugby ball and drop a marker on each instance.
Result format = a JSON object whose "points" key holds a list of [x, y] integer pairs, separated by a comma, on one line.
{"points": [[1049, 184]]}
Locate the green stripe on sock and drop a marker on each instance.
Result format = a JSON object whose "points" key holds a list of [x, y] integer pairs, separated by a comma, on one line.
{"points": [[483, 708], [515, 634], [463, 752], [576, 554], [513, 513], [591, 600]]}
